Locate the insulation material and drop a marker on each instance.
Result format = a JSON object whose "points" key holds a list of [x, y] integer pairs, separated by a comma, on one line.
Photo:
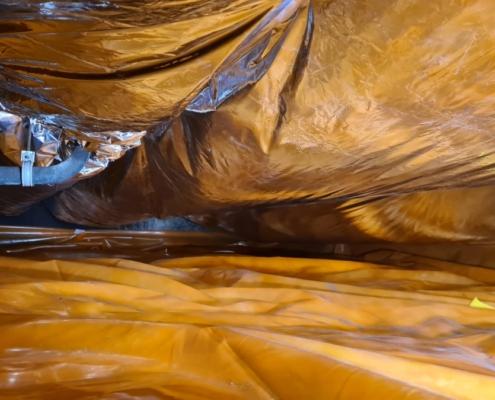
{"points": [[432, 217], [351, 118]]}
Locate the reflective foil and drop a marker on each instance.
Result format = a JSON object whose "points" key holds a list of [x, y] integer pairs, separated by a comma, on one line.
{"points": [[12, 137], [101, 71], [438, 216], [282, 120], [47, 142]]}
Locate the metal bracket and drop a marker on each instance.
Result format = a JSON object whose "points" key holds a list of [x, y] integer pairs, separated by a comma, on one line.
{"points": [[27, 158]]}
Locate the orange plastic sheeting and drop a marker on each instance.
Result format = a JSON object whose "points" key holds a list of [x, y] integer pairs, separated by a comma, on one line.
{"points": [[230, 327]]}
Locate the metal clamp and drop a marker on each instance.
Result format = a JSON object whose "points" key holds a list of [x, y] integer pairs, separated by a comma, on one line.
{"points": [[57, 174], [27, 159]]}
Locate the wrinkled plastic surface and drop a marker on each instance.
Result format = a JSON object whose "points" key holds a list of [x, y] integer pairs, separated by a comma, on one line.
{"points": [[104, 74], [323, 120], [438, 216], [246, 328], [384, 99], [109, 72], [147, 246]]}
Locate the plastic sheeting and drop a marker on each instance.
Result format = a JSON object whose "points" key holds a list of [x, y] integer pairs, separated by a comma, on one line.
{"points": [[439, 216], [46, 243], [306, 120], [147, 246], [246, 328], [106, 73], [347, 137]]}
